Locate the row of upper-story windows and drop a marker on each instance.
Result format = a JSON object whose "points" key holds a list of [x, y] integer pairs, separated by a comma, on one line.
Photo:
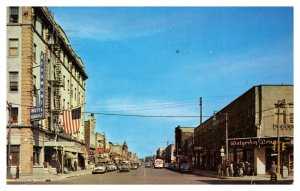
{"points": [[40, 28]]}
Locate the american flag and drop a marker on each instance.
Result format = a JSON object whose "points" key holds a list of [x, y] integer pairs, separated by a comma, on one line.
{"points": [[71, 120]]}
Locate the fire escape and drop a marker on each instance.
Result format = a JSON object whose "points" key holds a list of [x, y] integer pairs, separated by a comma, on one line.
{"points": [[57, 84]]}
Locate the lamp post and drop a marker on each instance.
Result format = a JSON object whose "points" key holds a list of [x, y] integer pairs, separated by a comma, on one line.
{"points": [[226, 131], [9, 107]]}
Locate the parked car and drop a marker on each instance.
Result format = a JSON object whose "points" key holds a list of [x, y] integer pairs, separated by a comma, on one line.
{"points": [[166, 165], [186, 167], [125, 168], [134, 166], [111, 167], [147, 165], [175, 167], [99, 168]]}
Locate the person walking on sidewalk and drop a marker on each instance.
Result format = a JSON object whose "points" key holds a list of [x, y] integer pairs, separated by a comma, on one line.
{"points": [[241, 168], [273, 171]]}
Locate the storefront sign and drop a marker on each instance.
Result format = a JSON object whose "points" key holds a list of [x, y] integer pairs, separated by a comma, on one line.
{"points": [[256, 142]]}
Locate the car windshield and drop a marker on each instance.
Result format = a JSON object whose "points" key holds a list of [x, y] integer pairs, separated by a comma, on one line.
{"points": [[100, 165]]}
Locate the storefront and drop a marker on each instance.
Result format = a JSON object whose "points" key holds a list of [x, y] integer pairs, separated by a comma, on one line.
{"points": [[261, 152]]}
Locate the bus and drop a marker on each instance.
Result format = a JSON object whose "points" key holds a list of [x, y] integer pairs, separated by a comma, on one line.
{"points": [[158, 163]]}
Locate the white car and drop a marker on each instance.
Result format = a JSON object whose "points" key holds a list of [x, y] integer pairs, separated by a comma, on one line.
{"points": [[99, 168]]}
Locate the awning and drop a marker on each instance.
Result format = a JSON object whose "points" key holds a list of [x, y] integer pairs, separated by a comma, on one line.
{"points": [[70, 155]]}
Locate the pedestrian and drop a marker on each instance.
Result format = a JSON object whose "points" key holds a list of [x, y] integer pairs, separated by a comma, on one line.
{"points": [[241, 165], [273, 171], [245, 168], [75, 166], [219, 170], [231, 169], [249, 169], [235, 168]]}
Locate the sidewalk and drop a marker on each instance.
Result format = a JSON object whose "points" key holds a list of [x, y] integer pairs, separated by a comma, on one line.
{"points": [[49, 177], [213, 174]]}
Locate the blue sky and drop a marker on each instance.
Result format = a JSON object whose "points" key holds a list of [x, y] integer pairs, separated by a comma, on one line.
{"points": [[160, 60]]}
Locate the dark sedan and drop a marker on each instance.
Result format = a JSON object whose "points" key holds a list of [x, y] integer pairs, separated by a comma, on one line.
{"points": [[186, 167]]}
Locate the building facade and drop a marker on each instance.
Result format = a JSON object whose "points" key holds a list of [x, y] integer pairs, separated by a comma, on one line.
{"points": [[160, 153], [181, 135], [44, 78], [254, 122], [90, 137], [169, 153]]}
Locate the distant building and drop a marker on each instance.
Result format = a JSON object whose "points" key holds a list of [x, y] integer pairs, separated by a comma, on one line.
{"points": [[181, 135], [169, 153], [90, 136], [160, 153]]}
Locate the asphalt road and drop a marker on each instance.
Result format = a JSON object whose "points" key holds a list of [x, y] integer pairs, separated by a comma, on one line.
{"points": [[139, 176], [149, 176]]}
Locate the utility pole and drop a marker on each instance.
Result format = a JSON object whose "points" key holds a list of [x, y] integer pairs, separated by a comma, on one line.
{"points": [[280, 104], [9, 107], [200, 110]]}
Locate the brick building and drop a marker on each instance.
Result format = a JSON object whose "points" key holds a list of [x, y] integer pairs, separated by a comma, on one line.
{"points": [[181, 135], [252, 121]]}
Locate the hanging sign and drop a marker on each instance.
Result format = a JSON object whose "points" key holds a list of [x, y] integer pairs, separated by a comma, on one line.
{"points": [[38, 113]]}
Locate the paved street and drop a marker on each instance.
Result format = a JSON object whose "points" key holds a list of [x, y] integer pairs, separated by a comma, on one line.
{"points": [[139, 176], [154, 176]]}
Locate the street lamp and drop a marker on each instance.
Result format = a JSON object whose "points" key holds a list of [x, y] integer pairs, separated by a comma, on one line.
{"points": [[226, 129]]}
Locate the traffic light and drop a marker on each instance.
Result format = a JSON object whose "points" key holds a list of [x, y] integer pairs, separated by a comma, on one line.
{"points": [[274, 146], [283, 147]]}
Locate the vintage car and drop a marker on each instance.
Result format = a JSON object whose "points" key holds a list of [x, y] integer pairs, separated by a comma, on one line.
{"points": [[185, 167], [99, 168], [125, 168]]}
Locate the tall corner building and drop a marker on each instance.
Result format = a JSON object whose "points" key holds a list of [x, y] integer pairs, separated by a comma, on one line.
{"points": [[45, 95]]}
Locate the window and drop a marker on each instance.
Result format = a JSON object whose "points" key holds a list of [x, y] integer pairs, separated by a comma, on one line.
{"points": [[71, 90], [14, 115], [64, 103], [79, 98], [34, 86], [64, 82], [14, 14], [13, 81], [13, 47], [34, 52]]}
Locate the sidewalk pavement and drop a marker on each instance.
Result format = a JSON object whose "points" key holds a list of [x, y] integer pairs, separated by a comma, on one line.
{"points": [[49, 177], [266, 177]]}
